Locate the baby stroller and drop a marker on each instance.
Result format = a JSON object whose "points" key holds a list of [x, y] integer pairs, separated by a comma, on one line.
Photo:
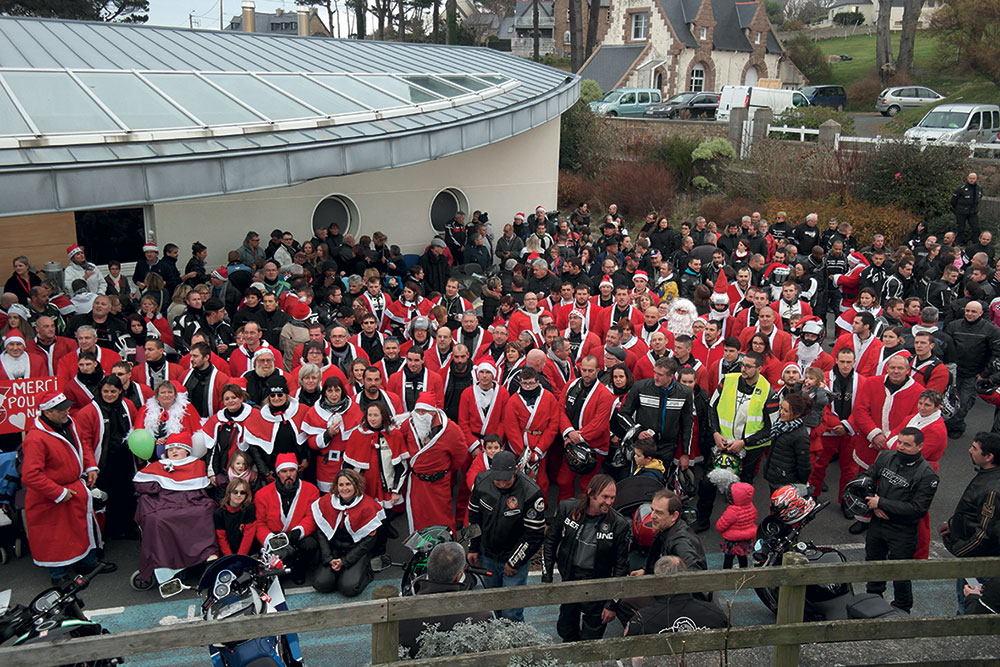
{"points": [[11, 526]]}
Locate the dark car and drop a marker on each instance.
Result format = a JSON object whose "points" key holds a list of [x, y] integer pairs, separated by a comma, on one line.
{"points": [[826, 96], [686, 105]]}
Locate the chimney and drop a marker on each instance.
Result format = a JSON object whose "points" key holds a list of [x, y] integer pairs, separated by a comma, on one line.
{"points": [[249, 15], [279, 11], [304, 16]]}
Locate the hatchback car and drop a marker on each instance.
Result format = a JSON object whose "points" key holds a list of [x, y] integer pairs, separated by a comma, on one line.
{"points": [[959, 123], [826, 96], [694, 105], [893, 100], [626, 102]]}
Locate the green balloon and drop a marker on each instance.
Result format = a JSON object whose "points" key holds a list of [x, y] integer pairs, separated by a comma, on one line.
{"points": [[141, 442]]}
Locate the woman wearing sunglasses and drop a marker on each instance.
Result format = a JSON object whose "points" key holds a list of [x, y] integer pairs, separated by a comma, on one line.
{"points": [[235, 518]]}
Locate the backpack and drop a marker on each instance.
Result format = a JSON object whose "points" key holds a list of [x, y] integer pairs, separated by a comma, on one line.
{"points": [[950, 402]]}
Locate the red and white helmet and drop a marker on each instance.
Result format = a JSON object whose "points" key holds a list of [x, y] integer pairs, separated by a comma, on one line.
{"points": [[789, 505]]}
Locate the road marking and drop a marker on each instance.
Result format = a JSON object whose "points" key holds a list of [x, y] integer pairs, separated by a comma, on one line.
{"points": [[110, 611], [174, 620]]}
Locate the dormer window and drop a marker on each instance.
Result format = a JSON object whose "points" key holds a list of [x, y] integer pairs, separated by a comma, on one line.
{"points": [[756, 38], [703, 34]]}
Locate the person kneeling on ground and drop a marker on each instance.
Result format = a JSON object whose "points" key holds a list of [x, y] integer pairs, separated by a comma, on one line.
{"points": [[348, 521], [679, 612]]}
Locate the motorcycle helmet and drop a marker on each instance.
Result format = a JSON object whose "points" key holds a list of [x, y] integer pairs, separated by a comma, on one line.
{"points": [[855, 493], [642, 525], [580, 458], [789, 506], [683, 483], [725, 471]]}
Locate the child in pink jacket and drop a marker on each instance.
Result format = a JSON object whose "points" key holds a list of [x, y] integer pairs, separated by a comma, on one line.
{"points": [[738, 525]]}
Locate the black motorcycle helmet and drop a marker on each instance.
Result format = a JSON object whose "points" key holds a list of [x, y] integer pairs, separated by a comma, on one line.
{"points": [[855, 493], [580, 458]]}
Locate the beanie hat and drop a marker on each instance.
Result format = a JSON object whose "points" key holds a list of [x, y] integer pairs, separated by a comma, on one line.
{"points": [[150, 247], [73, 250], [221, 273], [182, 440], [284, 461]]}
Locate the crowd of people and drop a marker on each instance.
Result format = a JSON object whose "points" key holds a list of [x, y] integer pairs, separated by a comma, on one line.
{"points": [[324, 388]]}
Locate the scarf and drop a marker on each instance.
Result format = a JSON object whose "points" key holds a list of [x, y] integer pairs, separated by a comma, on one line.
{"points": [[245, 475], [781, 427]]}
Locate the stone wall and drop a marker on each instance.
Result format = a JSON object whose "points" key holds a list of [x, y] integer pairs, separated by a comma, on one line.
{"points": [[662, 127], [816, 34]]}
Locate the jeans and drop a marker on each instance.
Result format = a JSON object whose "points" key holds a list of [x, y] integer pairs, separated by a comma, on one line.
{"points": [[498, 579], [966, 386], [85, 564]]}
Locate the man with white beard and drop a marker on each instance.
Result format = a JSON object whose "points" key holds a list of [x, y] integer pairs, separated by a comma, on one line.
{"points": [[808, 351], [681, 317], [437, 448]]}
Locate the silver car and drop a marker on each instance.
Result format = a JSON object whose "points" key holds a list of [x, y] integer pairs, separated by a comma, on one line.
{"points": [[893, 100]]}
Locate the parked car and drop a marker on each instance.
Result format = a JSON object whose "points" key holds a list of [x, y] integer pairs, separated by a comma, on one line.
{"points": [[826, 96], [959, 122], [626, 102], [753, 97], [695, 105], [893, 100]]}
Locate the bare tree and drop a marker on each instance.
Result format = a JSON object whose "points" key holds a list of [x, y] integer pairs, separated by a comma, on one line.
{"points": [[911, 16], [435, 19], [593, 22], [884, 60], [575, 36], [534, 24]]}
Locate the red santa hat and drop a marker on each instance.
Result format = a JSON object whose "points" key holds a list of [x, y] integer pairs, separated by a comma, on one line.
{"points": [[426, 401], [575, 313], [179, 387], [54, 400], [221, 273], [790, 364], [539, 208], [606, 280], [812, 325], [13, 336], [284, 461], [297, 309], [519, 216], [182, 440], [485, 364], [640, 274], [73, 250], [150, 247], [856, 258], [720, 294]]}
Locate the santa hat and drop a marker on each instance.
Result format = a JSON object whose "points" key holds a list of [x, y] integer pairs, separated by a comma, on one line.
{"points": [[182, 440], [606, 280], [539, 208], [178, 386], [485, 365], [640, 274], [790, 364], [221, 273], [812, 325], [54, 400], [575, 313], [519, 216], [150, 247], [297, 309], [425, 401], [13, 336], [73, 250], [262, 351], [284, 461], [856, 258], [720, 292]]}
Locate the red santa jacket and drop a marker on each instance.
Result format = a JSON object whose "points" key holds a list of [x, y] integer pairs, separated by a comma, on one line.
{"points": [[431, 382], [217, 361], [590, 344], [262, 426], [849, 284], [878, 412], [241, 360], [61, 527], [141, 374], [931, 374], [434, 361], [90, 425], [50, 357], [216, 381], [823, 360], [271, 518], [330, 448], [705, 353], [77, 392], [36, 368], [781, 342], [522, 321], [935, 436], [785, 310], [391, 399], [594, 416], [228, 432], [606, 322], [428, 492], [481, 341], [591, 317], [361, 454], [475, 425], [67, 367], [399, 313], [531, 428], [736, 296], [845, 320], [866, 355], [361, 517], [370, 303]]}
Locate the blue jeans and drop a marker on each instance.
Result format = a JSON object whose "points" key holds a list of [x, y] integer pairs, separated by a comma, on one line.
{"points": [[497, 579], [966, 386], [85, 564]]}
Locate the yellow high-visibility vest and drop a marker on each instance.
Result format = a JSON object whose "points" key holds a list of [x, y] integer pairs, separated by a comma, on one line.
{"points": [[726, 408]]}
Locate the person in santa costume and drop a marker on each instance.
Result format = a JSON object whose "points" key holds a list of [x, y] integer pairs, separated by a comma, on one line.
{"points": [[15, 362], [867, 348], [437, 448], [652, 325], [154, 367], [57, 472], [526, 318], [929, 421], [582, 303], [347, 524], [884, 404], [438, 355], [375, 301], [398, 314], [285, 506], [372, 392], [531, 423], [621, 309], [849, 282], [413, 379], [174, 512], [167, 412], [473, 336], [892, 344], [790, 305], [837, 434], [376, 448], [640, 279], [681, 316], [480, 413], [225, 431], [277, 429], [584, 419], [719, 307], [47, 347], [204, 382], [808, 351], [581, 341], [767, 325], [326, 422], [867, 302]]}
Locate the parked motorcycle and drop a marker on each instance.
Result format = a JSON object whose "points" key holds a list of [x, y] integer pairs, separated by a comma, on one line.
{"points": [[791, 511], [56, 613], [421, 543], [241, 585]]}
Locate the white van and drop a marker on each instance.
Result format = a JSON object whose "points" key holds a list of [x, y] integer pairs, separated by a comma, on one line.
{"points": [[959, 122], [776, 99]]}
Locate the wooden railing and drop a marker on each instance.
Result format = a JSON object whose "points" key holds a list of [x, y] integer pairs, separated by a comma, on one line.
{"points": [[385, 611]]}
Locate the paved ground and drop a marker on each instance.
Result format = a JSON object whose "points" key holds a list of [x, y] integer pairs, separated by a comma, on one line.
{"points": [[869, 124], [121, 608]]}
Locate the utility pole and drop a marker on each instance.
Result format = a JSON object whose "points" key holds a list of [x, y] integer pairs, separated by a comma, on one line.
{"points": [[221, 25], [191, 19]]}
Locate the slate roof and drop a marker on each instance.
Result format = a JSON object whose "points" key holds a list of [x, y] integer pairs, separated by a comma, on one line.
{"points": [[610, 63], [731, 18]]}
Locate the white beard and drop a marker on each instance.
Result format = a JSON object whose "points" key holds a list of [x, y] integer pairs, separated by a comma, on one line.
{"points": [[422, 425], [717, 316], [808, 354], [681, 324]]}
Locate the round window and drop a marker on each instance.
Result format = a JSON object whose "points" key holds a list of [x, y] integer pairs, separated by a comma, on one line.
{"points": [[337, 209], [446, 204]]}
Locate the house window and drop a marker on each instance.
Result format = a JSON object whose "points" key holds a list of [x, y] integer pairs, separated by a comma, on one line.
{"points": [[703, 34], [697, 83], [756, 38], [566, 37], [640, 26]]}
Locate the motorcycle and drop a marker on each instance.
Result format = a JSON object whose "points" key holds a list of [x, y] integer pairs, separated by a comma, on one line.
{"points": [[778, 534], [56, 613], [421, 543], [241, 585]]}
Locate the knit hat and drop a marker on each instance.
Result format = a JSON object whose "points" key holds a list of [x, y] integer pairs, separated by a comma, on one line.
{"points": [[261, 351], [284, 461], [150, 247], [54, 400], [213, 304], [20, 311], [640, 274], [421, 322], [606, 280], [182, 440], [425, 401], [221, 273], [13, 336], [574, 313], [436, 242], [276, 385], [73, 250]]}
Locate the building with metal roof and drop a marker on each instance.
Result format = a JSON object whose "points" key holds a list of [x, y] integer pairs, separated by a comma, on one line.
{"points": [[682, 45], [210, 133]]}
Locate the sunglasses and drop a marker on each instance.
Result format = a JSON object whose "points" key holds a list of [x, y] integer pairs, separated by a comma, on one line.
{"points": [[238, 493]]}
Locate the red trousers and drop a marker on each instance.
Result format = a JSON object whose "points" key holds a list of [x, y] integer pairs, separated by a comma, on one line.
{"points": [[823, 452], [566, 478]]}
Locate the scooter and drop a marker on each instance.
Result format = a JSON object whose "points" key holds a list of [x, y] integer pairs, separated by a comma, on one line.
{"points": [[421, 543], [240, 585], [56, 613]]}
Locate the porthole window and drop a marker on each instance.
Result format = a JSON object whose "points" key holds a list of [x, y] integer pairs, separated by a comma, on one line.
{"points": [[338, 209], [445, 205]]}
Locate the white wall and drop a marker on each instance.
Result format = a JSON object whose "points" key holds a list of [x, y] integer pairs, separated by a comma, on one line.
{"points": [[513, 175]]}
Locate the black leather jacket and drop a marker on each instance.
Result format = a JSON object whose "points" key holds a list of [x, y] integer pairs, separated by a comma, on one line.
{"points": [[678, 540], [512, 520], [974, 525], [614, 534], [905, 490]]}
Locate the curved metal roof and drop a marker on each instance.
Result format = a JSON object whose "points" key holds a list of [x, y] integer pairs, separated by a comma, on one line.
{"points": [[100, 114]]}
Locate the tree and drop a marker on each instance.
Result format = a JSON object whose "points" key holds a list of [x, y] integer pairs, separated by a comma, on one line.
{"points": [[911, 16], [534, 24], [329, 5], [451, 20], [809, 58], [118, 11], [593, 22], [775, 12], [970, 29], [575, 36], [884, 61]]}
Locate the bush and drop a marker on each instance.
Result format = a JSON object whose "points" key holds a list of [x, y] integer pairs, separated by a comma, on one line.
{"points": [[496, 634], [862, 93], [867, 219], [901, 175], [792, 26], [710, 158], [637, 188], [573, 189], [813, 117], [581, 145], [809, 58], [674, 153], [590, 91], [849, 18]]}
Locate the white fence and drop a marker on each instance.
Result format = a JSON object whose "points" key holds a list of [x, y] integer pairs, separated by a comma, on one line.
{"points": [[985, 150]]}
